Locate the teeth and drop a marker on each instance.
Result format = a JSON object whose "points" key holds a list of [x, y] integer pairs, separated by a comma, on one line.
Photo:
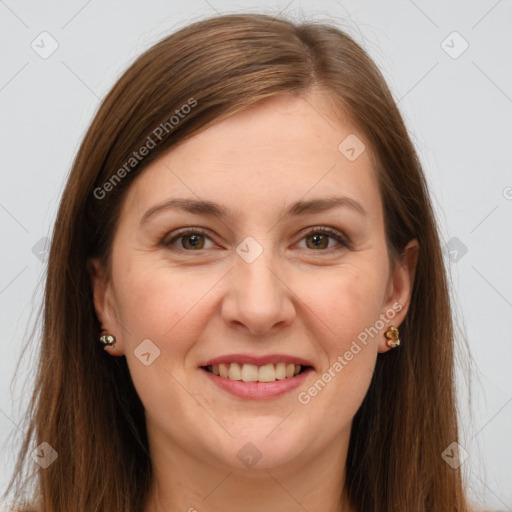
{"points": [[223, 370], [281, 371], [249, 373], [267, 373], [253, 373], [235, 372]]}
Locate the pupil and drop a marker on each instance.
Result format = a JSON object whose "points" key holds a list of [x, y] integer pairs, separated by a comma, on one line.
{"points": [[318, 240], [193, 240]]}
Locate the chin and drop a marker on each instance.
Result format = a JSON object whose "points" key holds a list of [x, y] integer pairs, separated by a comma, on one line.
{"points": [[262, 448]]}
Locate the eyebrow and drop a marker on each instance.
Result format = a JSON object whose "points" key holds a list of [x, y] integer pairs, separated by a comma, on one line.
{"points": [[212, 209]]}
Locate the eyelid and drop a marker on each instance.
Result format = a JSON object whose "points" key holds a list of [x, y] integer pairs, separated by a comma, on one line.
{"points": [[179, 233], [338, 235], [334, 233]]}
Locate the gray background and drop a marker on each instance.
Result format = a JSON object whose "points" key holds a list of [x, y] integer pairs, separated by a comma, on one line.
{"points": [[457, 105]]}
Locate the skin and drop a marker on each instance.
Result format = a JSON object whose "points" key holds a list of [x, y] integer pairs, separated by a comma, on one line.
{"points": [[295, 298]]}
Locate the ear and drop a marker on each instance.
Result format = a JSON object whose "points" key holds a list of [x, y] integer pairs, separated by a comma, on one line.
{"points": [[104, 304], [399, 289]]}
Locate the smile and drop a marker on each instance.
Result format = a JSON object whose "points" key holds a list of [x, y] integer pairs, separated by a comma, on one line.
{"points": [[256, 378], [247, 372]]}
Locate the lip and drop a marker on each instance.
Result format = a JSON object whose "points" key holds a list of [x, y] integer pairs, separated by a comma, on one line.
{"points": [[258, 390], [257, 360]]}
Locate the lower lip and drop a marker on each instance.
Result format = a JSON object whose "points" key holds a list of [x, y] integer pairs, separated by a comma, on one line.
{"points": [[258, 390]]}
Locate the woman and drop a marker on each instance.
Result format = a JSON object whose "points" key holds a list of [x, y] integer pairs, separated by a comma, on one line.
{"points": [[246, 304]]}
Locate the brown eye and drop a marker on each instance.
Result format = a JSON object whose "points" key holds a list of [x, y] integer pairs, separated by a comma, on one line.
{"points": [[193, 241], [188, 240], [318, 241]]}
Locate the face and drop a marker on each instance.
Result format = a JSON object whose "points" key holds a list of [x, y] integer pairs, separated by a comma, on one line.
{"points": [[253, 249]]}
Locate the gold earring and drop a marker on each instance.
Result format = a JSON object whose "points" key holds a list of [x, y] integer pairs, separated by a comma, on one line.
{"points": [[392, 340], [108, 339]]}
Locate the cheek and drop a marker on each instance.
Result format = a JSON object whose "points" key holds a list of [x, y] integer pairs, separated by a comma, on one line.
{"points": [[158, 302], [166, 306], [346, 300], [154, 300], [344, 314]]}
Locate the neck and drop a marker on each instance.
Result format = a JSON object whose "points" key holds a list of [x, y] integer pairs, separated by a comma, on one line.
{"points": [[182, 482]]}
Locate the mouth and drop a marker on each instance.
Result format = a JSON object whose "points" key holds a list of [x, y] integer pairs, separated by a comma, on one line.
{"points": [[257, 378], [248, 372]]}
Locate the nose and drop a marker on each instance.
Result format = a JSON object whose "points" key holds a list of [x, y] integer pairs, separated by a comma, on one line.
{"points": [[258, 298]]}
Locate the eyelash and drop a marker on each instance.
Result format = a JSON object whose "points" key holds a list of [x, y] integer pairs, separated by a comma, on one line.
{"points": [[323, 230]]}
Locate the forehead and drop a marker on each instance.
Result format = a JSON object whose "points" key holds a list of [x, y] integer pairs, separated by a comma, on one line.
{"points": [[280, 150]]}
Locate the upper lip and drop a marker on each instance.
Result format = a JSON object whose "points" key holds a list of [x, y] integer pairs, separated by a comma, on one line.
{"points": [[257, 360]]}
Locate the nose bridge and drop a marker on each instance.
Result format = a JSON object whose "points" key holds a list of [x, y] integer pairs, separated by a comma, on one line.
{"points": [[258, 298], [256, 278]]}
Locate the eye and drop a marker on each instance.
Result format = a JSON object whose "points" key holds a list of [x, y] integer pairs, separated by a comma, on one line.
{"points": [[191, 239], [319, 239]]}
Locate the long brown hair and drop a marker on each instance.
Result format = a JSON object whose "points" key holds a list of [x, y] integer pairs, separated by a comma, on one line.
{"points": [[84, 404]]}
